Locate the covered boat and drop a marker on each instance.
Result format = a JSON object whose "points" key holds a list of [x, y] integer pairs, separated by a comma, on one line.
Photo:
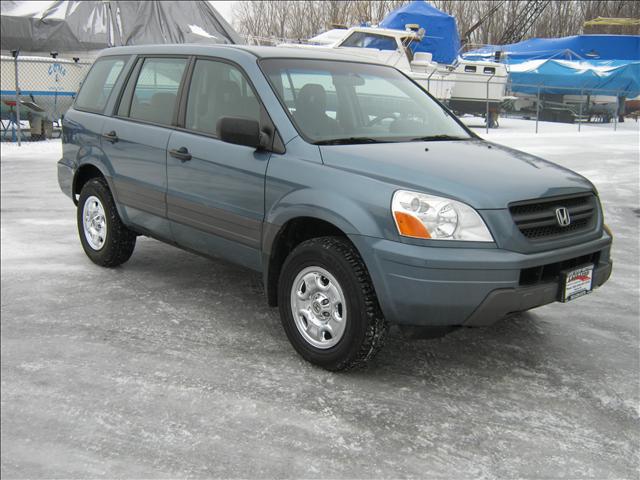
{"points": [[57, 41], [577, 47], [423, 42], [477, 81], [441, 37], [581, 74], [69, 27], [575, 77], [392, 47]]}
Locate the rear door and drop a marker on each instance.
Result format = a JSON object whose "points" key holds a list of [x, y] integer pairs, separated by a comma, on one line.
{"points": [[135, 140], [82, 124], [215, 196]]}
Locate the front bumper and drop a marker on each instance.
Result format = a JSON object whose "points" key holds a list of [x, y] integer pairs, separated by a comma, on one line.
{"points": [[504, 301], [446, 286]]}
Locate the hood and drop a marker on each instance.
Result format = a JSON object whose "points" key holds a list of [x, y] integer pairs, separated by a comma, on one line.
{"points": [[481, 174]]}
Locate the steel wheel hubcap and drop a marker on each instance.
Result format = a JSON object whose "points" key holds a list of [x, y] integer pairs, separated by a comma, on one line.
{"points": [[94, 222], [318, 307]]}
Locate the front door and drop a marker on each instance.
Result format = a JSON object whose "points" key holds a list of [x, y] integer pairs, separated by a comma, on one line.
{"points": [[215, 191]]}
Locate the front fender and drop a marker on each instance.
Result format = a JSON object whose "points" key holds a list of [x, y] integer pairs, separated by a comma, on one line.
{"points": [[339, 210], [299, 184]]}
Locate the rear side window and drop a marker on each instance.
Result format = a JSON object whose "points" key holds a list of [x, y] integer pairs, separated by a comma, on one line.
{"points": [[156, 91], [97, 87], [218, 90]]}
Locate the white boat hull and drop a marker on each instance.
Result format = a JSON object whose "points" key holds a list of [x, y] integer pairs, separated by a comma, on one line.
{"points": [[467, 87], [487, 83], [438, 85]]}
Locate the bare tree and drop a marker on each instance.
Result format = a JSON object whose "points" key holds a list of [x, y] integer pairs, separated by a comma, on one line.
{"points": [[299, 20]]}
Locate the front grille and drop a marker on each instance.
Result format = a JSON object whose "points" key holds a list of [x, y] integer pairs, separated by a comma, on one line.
{"points": [[536, 219]]}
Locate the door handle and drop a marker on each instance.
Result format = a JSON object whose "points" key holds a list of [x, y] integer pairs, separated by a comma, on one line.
{"points": [[111, 136], [181, 154]]}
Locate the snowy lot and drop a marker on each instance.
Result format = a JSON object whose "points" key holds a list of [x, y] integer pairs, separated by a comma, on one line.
{"points": [[173, 366]]}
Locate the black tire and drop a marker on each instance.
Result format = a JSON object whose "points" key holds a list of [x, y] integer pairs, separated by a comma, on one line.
{"points": [[366, 328], [119, 241]]}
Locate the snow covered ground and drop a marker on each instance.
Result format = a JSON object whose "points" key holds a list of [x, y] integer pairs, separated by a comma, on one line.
{"points": [[173, 366]]}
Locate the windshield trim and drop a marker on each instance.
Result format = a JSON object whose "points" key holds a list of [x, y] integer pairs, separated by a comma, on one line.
{"points": [[312, 141]]}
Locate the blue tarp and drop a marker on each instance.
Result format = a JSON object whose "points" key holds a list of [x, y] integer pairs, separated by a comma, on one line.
{"points": [[570, 65], [577, 47], [441, 32], [576, 77]]}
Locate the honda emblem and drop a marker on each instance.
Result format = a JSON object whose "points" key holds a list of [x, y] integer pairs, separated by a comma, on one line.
{"points": [[562, 215]]}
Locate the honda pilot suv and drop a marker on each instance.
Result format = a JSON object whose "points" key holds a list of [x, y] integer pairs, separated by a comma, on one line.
{"points": [[362, 200]]}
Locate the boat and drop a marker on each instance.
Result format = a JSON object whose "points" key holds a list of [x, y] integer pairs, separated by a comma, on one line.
{"points": [[391, 47], [569, 78], [47, 89], [57, 41], [480, 86], [466, 86]]}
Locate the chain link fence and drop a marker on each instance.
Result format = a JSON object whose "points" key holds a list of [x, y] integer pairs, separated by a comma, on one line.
{"points": [[580, 105], [487, 99], [36, 91], [34, 94]]}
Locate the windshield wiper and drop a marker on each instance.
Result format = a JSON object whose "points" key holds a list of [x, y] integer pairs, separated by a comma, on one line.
{"points": [[437, 138], [348, 141]]}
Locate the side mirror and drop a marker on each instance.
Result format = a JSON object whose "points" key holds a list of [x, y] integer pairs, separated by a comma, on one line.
{"points": [[240, 131]]}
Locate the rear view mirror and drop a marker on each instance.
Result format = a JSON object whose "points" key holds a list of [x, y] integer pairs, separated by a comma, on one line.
{"points": [[348, 80], [239, 131]]}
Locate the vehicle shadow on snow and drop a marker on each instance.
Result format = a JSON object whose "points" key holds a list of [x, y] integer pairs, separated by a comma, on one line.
{"points": [[518, 342]]}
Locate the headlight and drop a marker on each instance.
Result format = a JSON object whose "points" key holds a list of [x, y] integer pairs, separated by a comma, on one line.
{"points": [[419, 215]]}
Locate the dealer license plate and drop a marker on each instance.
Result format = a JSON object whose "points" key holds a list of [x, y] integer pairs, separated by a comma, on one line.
{"points": [[576, 283]]}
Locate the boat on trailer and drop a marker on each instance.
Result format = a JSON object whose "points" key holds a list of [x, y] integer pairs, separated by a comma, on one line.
{"points": [[466, 86]]}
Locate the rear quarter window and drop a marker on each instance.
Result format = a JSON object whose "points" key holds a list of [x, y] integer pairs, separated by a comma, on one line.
{"points": [[99, 83]]}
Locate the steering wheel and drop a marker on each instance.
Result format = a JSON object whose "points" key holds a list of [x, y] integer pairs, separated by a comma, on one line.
{"points": [[379, 118]]}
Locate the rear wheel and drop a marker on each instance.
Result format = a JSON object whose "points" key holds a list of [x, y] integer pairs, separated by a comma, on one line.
{"points": [[328, 306], [105, 239]]}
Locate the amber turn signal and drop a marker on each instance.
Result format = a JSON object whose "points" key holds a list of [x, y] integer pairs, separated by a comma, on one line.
{"points": [[410, 226]]}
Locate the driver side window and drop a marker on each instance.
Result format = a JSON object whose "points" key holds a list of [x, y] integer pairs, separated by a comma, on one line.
{"points": [[217, 90]]}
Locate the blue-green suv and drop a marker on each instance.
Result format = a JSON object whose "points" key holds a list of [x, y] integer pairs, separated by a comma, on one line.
{"points": [[360, 198]]}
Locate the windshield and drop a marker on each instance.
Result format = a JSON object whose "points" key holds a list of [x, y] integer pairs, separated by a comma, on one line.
{"points": [[334, 102], [370, 40]]}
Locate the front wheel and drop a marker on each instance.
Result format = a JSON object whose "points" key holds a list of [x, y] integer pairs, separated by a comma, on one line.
{"points": [[328, 306], [105, 239]]}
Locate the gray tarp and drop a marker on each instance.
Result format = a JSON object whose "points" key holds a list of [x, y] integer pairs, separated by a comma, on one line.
{"points": [[93, 25]]}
